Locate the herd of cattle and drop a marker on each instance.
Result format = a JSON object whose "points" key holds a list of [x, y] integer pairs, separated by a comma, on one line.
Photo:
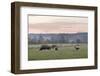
{"points": [[55, 47]]}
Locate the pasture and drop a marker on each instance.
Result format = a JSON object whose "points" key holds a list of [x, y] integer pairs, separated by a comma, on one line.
{"points": [[65, 51]]}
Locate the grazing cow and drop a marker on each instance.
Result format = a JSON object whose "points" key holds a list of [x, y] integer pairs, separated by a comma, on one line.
{"points": [[54, 47], [77, 47], [45, 47]]}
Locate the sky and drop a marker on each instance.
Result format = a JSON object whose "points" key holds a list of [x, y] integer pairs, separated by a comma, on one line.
{"points": [[57, 24]]}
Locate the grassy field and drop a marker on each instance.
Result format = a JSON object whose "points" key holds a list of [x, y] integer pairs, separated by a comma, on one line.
{"points": [[66, 51]]}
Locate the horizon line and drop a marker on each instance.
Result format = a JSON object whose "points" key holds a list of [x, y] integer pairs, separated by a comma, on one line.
{"points": [[58, 33]]}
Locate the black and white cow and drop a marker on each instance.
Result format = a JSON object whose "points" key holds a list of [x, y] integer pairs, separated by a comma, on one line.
{"points": [[45, 47], [48, 47], [77, 47]]}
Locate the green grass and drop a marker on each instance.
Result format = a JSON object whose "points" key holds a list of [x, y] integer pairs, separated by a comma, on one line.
{"points": [[65, 52]]}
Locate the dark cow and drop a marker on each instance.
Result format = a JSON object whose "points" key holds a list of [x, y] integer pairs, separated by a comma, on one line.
{"points": [[77, 47], [48, 47], [54, 47], [45, 47]]}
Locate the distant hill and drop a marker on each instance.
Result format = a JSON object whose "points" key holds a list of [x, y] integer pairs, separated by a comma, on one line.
{"points": [[58, 38]]}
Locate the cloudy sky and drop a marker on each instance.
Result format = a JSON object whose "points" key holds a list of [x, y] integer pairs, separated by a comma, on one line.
{"points": [[57, 24]]}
